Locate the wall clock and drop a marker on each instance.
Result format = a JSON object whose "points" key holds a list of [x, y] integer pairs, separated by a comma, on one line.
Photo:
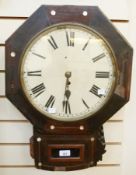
{"points": [[68, 70]]}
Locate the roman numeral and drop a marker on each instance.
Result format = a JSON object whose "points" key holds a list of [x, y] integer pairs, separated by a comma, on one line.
{"points": [[66, 107], [50, 102], [52, 43], [95, 90], [70, 38], [34, 73], [38, 55], [102, 74], [85, 103], [86, 44], [39, 89], [98, 57]]}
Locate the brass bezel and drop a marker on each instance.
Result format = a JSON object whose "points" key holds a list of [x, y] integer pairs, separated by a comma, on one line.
{"points": [[60, 26]]}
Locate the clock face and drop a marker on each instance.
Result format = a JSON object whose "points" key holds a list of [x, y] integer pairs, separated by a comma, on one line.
{"points": [[68, 72]]}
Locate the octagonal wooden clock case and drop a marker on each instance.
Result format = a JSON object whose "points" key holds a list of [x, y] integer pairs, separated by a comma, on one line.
{"points": [[68, 70]]}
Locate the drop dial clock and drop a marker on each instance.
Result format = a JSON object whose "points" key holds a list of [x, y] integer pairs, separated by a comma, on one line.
{"points": [[68, 70]]}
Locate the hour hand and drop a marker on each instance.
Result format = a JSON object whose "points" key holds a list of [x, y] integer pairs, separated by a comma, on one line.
{"points": [[66, 104], [67, 94]]}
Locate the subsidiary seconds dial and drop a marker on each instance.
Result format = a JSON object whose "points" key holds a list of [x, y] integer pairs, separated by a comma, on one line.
{"points": [[68, 72]]}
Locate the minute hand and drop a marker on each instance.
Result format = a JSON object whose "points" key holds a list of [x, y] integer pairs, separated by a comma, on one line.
{"points": [[67, 93], [66, 104]]}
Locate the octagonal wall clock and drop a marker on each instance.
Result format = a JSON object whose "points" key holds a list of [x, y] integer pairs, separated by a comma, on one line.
{"points": [[68, 70]]}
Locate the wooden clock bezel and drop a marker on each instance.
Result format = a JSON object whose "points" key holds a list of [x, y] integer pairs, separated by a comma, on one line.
{"points": [[41, 19]]}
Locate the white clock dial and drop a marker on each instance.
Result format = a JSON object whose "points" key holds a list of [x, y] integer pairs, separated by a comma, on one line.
{"points": [[68, 72]]}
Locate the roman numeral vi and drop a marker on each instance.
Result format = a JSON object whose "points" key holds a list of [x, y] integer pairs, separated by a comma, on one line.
{"points": [[66, 107]]}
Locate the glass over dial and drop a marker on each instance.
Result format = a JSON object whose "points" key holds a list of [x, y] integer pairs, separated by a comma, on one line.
{"points": [[68, 72]]}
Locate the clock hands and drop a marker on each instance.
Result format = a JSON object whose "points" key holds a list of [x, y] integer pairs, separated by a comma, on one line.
{"points": [[67, 93]]}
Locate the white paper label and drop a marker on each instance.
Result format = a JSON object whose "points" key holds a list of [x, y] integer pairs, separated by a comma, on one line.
{"points": [[51, 110], [64, 153], [101, 92]]}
